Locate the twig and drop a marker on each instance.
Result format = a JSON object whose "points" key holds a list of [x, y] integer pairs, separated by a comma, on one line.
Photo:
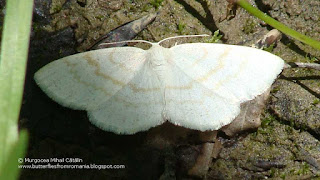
{"points": [[302, 65]]}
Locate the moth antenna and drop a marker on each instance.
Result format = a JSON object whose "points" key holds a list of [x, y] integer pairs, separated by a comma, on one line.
{"points": [[121, 42], [182, 36]]}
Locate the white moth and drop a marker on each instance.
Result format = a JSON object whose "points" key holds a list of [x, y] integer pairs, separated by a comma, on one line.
{"points": [[126, 89]]}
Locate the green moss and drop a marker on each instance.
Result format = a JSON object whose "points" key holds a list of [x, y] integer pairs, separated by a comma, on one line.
{"points": [[310, 58], [275, 89], [156, 3], [56, 8], [215, 38], [291, 121], [262, 131], [249, 26], [181, 28], [272, 172], [265, 126], [305, 169], [283, 176], [146, 8], [100, 17], [288, 129], [315, 102], [267, 120], [269, 48]]}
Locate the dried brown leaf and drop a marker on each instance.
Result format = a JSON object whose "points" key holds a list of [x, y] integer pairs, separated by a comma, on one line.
{"points": [[249, 117]]}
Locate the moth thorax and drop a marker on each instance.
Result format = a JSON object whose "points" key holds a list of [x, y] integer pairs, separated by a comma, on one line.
{"points": [[158, 56]]}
